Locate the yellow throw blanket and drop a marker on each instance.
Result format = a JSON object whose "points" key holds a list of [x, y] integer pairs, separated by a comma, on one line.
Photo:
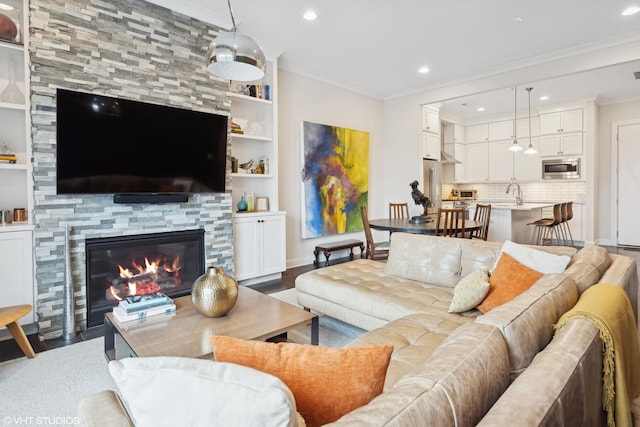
{"points": [[608, 308]]}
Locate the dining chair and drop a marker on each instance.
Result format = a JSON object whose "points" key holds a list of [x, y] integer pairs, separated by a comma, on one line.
{"points": [[452, 221], [398, 210], [482, 215], [374, 251]]}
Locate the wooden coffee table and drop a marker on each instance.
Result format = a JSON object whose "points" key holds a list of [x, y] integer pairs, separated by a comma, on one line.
{"points": [[186, 332]]}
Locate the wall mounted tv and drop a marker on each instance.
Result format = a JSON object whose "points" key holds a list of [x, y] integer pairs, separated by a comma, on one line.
{"points": [[129, 148]]}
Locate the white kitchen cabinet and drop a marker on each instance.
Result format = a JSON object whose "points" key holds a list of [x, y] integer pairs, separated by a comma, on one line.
{"points": [[561, 121], [522, 127], [453, 133], [259, 240], [477, 133], [501, 130], [527, 167], [431, 120], [460, 154], [477, 162], [562, 144], [431, 146], [499, 225], [500, 161], [16, 264]]}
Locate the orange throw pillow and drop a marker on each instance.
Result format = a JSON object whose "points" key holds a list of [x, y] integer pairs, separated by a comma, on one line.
{"points": [[508, 280], [326, 382]]}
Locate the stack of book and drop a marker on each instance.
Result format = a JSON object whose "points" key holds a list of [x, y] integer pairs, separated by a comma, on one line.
{"points": [[8, 158], [139, 306]]}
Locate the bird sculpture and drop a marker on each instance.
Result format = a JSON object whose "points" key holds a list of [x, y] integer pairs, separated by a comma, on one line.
{"points": [[419, 198], [246, 165]]}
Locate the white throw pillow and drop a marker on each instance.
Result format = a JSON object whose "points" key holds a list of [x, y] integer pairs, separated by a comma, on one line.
{"points": [[544, 262], [177, 391], [470, 291]]}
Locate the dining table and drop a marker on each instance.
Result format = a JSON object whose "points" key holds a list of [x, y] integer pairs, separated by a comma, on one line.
{"points": [[406, 226]]}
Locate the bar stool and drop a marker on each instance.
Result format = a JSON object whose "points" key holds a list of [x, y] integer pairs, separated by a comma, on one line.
{"points": [[545, 227]]}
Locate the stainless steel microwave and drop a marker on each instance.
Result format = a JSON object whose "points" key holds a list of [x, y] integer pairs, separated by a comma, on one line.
{"points": [[561, 168]]}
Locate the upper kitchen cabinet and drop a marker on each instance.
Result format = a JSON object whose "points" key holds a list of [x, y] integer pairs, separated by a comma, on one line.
{"points": [[477, 133], [430, 132], [431, 119], [453, 134], [501, 130], [561, 133], [500, 161], [522, 127], [477, 162], [527, 167]]}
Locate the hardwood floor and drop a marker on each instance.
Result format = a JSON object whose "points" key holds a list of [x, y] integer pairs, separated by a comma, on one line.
{"points": [[10, 350]]}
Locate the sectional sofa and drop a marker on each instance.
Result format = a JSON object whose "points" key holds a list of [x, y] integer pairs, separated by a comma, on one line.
{"points": [[504, 367]]}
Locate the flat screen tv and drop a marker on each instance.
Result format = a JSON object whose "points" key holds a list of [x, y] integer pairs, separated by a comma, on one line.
{"points": [[107, 145]]}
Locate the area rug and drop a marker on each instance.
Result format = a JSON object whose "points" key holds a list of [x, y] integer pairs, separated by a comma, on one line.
{"points": [[47, 389]]}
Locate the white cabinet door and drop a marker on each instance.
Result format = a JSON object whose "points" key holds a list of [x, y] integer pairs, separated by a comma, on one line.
{"points": [[477, 162], [246, 247], [459, 168], [522, 127], [571, 120], [477, 133], [16, 264], [501, 130], [500, 161], [458, 133], [527, 167], [259, 243], [430, 120], [561, 144], [550, 123], [431, 146], [273, 244]]}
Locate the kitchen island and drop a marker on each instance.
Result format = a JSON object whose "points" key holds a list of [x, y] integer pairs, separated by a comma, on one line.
{"points": [[509, 221]]}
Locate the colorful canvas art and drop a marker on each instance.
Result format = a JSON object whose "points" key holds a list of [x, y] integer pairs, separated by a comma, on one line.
{"points": [[335, 179]]}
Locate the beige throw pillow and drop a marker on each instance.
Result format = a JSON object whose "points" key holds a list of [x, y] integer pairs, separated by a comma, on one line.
{"points": [[470, 291]]}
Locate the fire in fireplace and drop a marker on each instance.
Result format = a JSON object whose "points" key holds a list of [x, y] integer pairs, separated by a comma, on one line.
{"points": [[118, 267]]}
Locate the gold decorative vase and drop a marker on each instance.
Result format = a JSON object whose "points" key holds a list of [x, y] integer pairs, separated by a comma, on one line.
{"points": [[214, 293]]}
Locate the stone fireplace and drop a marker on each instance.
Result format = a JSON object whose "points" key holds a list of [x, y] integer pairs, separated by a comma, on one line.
{"points": [[129, 49], [118, 267]]}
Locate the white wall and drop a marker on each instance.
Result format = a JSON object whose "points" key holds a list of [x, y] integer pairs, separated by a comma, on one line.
{"points": [[302, 99], [607, 116]]}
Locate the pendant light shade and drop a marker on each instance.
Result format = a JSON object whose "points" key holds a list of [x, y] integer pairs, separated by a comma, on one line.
{"points": [[530, 150], [234, 56], [515, 147]]}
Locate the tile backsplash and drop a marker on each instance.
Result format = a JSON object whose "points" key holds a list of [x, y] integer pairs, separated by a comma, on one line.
{"points": [[553, 191]]}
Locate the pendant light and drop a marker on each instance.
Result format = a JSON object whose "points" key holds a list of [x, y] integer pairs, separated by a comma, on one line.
{"points": [[530, 150], [234, 56], [515, 147]]}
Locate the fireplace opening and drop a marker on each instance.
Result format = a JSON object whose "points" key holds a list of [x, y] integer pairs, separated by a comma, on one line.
{"points": [[138, 264]]}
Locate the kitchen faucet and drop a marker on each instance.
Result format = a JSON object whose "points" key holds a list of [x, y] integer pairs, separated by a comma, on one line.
{"points": [[518, 193]]}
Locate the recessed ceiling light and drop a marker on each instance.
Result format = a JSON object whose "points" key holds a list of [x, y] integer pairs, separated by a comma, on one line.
{"points": [[544, 98], [480, 109], [631, 11], [310, 15], [5, 6], [518, 19], [423, 70]]}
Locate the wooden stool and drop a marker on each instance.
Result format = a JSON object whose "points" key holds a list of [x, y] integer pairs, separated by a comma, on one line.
{"points": [[327, 248], [9, 317]]}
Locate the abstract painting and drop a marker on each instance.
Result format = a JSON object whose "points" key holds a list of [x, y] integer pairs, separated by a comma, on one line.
{"points": [[335, 179]]}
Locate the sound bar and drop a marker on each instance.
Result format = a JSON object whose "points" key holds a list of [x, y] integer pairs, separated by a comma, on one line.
{"points": [[154, 198]]}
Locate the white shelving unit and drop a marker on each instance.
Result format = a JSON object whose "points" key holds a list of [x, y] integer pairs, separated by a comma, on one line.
{"points": [[259, 237], [16, 180]]}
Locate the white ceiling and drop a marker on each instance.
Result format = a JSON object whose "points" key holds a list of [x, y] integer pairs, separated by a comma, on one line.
{"points": [[375, 47]]}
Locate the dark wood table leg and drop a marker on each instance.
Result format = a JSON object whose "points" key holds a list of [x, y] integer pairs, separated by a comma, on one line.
{"points": [[327, 254], [361, 250], [315, 331], [315, 254]]}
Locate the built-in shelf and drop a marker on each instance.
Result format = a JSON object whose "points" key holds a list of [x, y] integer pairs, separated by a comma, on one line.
{"points": [[251, 175], [250, 98], [252, 137], [16, 166], [15, 226]]}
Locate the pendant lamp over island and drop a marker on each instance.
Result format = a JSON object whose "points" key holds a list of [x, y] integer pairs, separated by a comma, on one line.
{"points": [[530, 149], [515, 147], [234, 56]]}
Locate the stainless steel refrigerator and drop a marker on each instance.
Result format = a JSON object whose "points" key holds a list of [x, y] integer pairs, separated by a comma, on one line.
{"points": [[432, 184]]}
